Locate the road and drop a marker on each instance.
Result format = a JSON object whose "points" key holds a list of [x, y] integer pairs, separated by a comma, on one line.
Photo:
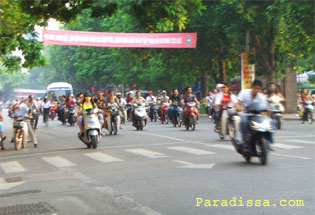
{"points": [[161, 170]]}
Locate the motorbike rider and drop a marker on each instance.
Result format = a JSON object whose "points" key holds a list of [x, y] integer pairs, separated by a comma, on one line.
{"points": [[122, 104], [2, 138], [151, 100], [173, 100], [61, 104], [22, 110], [32, 105], [137, 99], [220, 89], [128, 106], [209, 107], [189, 97], [87, 104], [302, 98], [222, 99], [246, 98]]}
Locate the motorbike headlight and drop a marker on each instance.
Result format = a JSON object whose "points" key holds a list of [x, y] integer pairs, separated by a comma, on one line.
{"points": [[264, 125]]}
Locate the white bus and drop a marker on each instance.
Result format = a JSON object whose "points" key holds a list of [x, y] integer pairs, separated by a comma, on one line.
{"points": [[57, 89]]}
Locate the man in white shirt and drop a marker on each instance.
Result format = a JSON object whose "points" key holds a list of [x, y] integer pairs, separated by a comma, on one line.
{"points": [[21, 110], [249, 99]]}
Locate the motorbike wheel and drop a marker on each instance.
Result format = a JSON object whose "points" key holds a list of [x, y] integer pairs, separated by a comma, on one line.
{"points": [[93, 141], [278, 121], [310, 118], [192, 121], [114, 127], [18, 141], [247, 157], [231, 130], [262, 148], [141, 125], [155, 116]]}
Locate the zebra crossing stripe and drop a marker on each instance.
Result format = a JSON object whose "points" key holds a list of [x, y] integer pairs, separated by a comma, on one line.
{"points": [[301, 141], [58, 162], [12, 167], [104, 158], [220, 146], [285, 146], [191, 150], [147, 153]]}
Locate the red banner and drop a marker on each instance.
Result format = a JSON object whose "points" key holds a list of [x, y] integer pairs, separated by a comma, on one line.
{"points": [[127, 40]]}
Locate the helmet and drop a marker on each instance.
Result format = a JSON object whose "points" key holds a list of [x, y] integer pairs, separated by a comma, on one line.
{"points": [[163, 91], [118, 94], [150, 92], [220, 86]]}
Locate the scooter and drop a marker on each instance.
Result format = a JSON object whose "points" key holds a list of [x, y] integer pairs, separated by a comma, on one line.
{"points": [[153, 112], [307, 115], [259, 131], [276, 110], [128, 109], [140, 116], [20, 137], [190, 116], [113, 120], [177, 116], [71, 118], [52, 112], [164, 118], [91, 128], [123, 114]]}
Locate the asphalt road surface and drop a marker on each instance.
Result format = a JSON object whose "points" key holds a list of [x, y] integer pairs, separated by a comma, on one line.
{"points": [[161, 170]]}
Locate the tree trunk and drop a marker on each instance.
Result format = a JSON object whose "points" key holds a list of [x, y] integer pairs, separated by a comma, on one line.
{"points": [[267, 62], [204, 84], [290, 90], [222, 71]]}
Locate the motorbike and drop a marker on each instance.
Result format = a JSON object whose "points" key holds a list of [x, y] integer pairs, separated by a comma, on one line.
{"points": [[71, 118], [233, 125], [259, 131], [307, 115], [128, 109], [164, 117], [91, 128], [229, 122], [113, 120], [140, 116], [52, 112], [190, 116], [276, 110], [21, 133], [123, 114], [177, 115], [153, 112]]}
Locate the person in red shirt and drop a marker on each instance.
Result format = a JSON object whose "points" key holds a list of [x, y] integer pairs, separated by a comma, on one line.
{"points": [[222, 100], [69, 101]]}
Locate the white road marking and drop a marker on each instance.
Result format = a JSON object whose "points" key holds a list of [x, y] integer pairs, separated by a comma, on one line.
{"points": [[12, 167], [127, 201], [58, 162], [285, 146], [147, 153], [220, 146], [194, 166], [4, 185], [102, 157], [301, 141], [191, 150], [163, 136], [292, 156]]}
